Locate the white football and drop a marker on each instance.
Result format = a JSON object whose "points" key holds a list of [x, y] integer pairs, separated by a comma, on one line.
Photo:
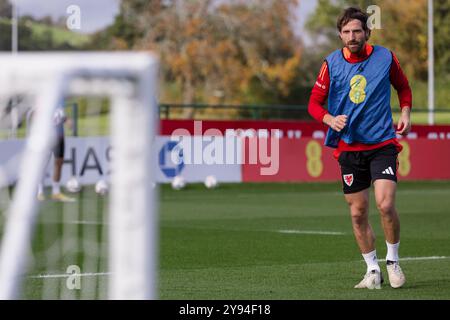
{"points": [[73, 185], [59, 116], [211, 182], [101, 187], [178, 183]]}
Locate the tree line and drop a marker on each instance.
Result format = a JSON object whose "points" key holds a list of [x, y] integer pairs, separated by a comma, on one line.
{"points": [[248, 52]]}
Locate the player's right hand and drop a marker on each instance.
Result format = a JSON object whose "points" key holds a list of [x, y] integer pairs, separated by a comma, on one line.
{"points": [[338, 123]]}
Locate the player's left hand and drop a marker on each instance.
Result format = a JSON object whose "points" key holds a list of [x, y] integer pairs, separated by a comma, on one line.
{"points": [[404, 123]]}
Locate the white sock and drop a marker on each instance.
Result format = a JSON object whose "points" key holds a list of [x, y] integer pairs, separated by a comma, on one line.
{"points": [[371, 260], [55, 187], [392, 251]]}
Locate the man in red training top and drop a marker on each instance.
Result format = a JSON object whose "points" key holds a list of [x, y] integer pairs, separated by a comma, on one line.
{"points": [[357, 82]]}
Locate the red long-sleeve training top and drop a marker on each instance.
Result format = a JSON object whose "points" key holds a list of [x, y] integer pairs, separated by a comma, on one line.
{"points": [[319, 95]]}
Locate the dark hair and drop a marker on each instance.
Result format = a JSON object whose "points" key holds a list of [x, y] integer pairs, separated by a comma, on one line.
{"points": [[353, 13]]}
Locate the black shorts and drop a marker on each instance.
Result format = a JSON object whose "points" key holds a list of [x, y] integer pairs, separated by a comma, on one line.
{"points": [[58, 149], [360, 168]]}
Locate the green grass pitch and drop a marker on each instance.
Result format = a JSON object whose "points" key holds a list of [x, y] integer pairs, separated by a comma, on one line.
{"points": [[254, 241]]}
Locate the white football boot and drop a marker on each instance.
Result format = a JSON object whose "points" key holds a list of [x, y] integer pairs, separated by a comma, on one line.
{"points": [[396, 276], [372, 280]]}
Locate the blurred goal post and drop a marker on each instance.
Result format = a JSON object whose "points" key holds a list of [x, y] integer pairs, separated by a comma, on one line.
{"points": [[129, 81]]}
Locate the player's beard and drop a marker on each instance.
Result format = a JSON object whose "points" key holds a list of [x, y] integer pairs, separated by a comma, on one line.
{"points": [[355, 46]]}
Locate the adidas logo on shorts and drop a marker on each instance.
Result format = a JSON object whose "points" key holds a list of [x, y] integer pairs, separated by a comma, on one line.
{"points": [[388, 171]]}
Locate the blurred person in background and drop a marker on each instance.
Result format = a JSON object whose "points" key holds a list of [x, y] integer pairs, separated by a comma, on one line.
{"points": [[59, 118]]}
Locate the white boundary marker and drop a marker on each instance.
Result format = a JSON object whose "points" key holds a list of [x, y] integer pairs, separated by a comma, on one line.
{"points": [[327, 233], [66, 275], [419, 258], [94, 274]]}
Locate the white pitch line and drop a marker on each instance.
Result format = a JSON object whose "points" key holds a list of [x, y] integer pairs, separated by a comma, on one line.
{"points": [[94, 274], [66, 275], [328, 233], [86, 222], [419, 258]]}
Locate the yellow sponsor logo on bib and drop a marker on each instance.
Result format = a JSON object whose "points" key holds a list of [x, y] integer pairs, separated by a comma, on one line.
{"points": [[357, 84]]}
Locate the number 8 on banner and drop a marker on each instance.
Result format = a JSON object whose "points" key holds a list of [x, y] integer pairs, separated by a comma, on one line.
{"points": [[314, 164]]}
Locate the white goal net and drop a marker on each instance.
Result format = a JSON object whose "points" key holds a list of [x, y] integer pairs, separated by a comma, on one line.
{"points": [[89, 232]]}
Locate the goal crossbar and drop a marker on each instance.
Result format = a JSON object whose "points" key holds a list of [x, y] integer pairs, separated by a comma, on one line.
{"points": [[129, 80]]}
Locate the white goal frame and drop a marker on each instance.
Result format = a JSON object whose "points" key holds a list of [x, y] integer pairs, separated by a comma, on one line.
{"points": [[130, 81]]}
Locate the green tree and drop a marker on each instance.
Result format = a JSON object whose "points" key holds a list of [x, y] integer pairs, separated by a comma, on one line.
{"points": [[5, 9], [442, 37], [403, 30], [229, 52]]}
